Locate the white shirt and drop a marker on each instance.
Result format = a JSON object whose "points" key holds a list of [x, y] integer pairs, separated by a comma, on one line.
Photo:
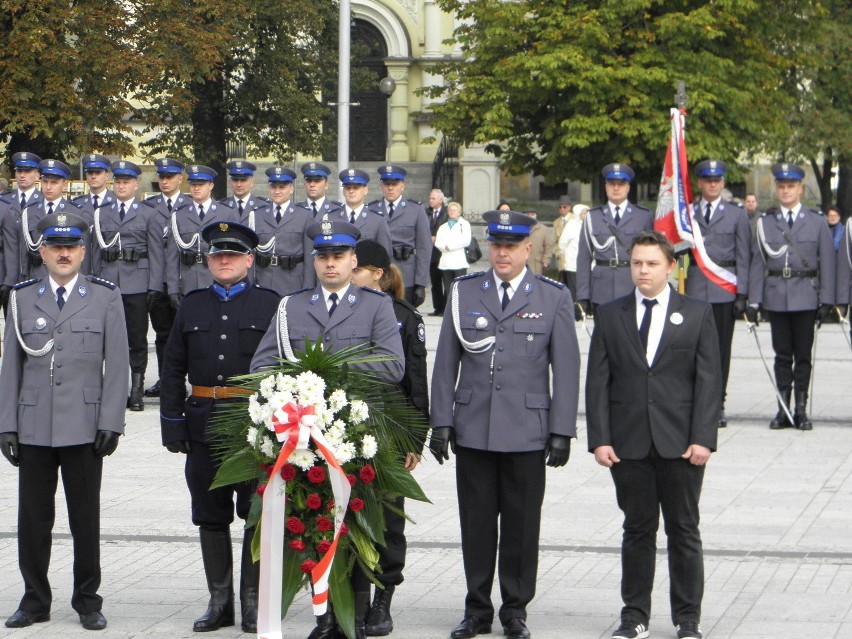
{"points": [[658, 319], [513, 285], [68, 287], [27, 194], [794, 211], [713, 206], [326, 294], [204, 205], [621, 208], [356, 211]]}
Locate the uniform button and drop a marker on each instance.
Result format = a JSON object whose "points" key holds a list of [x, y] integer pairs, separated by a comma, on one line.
{"points": [[58, 330], [219, 378], [59, 366], [497, 387], [59, 383], [224, 317], [59, 348], [499, 368], [224, 336], [221, 357], [502, 330], [500, 349]]}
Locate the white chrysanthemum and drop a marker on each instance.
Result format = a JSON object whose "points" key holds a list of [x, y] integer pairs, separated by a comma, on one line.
{"points": [[337, 400], [280, 398], [256, 410], [311, 388], [266, 447], [336, 432], [267, 386], [369, 447], [251, 437], [302, 458], [285, 383], [345, 452], [358, 411]]}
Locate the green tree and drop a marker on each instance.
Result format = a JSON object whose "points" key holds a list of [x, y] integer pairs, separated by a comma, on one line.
{"points": [[559, 87]]}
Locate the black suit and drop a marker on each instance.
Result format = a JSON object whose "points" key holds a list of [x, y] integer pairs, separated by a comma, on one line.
{"points": [[650, 415], [436, 276]]}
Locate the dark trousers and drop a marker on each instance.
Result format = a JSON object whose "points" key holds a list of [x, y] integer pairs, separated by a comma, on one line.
{"points": [[81, 479], [213, 509], [723, 314], [569, 279], [439, 291], [136, 319], [450, 275], [508, 487], [643, 488], [392, 554], [792, 341], [162, 317]]}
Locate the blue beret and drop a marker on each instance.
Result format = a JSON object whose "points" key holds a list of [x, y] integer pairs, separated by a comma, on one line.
{"points": [[55, 168], [200, 173], [617, 172], [95, 162], [508, 226], [168, 166], [279, 174], [315, 170], [241, 169], [26, 160], [788, 172], [229, 237], [333, 236], [354, 176], [123, 168], [63, 228], [391, 173], [711, 169]]}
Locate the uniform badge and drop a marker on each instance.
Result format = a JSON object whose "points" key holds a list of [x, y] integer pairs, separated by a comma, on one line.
{"points": [[481, 323], [313, 165], [785, 167], [239, 164], [505, 219], [712, 164], [530, 315], [195, 168], [61, 219], [315, 297], [23, 156], [164, 162], [527, 287], [51, 163], [351, 299], [41, 323], [277, 170], [530, 337], [486, 285], [82, 290], [93, 157], [41, 290], [121, 164], [421, 332], [327, 228], [351, 172], [676, 318], [616, 167]]}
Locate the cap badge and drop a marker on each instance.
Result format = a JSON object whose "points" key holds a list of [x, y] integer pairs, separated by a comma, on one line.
{"points": [[121, 164], [785, 167], [312, 165], [327, 228], [616, 167], [351, 172], [712, 164], [277, 169], [195, 168], [60, 219], [23, 156], [223, 226], [93, 157], [389, 169], [505, 219], [164, 162], [50, 163], [41, 322]]}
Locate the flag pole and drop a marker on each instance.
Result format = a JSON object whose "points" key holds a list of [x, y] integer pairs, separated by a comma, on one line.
{"points": [[680, 101]]}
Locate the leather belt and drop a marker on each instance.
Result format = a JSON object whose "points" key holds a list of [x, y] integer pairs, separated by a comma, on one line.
{"points": [[787, 273], [221, 392], [725, 263], [287, 262], [612, 263]]}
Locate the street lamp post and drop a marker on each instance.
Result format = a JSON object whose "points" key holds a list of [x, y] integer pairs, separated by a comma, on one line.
{"points": [[387, 86]]}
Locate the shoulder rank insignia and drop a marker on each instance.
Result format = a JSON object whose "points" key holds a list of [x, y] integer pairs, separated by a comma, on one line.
{"points": [[26, 283], [550, 281], [94, 279], [374, 291]]}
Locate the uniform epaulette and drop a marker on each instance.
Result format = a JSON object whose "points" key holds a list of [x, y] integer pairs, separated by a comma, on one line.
{"points": [[265, 289], [182, 206], [374, 203], [94, 279], [80, 197], [468, 276], [373, 290], [147, 203], [301, 290], [817, 211], [550, 281], [261, 198], [151, 198], [769, 212], [74, 204], [26, 283]]}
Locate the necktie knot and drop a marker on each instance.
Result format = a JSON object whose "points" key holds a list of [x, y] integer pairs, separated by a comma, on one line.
{"points": [[50, 208], [169, 204], [277, 212], [240, 207], [617, 215], [708, 211], [352, 217], [790, 218], [60, 297], [504, 302], [121, 211], [201, 212], [390, 210], [645, 326], [314, 207], [95, 201], [649, 302], [333, 299]]}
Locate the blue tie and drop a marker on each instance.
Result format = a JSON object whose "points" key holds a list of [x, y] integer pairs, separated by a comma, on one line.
{"points": [[121, 212], [333, 299], [60, 297]]}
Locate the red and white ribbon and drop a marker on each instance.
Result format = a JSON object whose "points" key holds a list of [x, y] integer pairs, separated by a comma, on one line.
{"points": [[295, 426]]}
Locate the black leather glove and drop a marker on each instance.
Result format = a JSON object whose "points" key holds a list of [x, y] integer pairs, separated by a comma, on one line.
{"points": [[174, 301], [5, 291], [106, 441], [151, 300], [823, 313], [558, 450], [442, 439], [179, 447], [9, 447], [752, 315], [581, 308], [740, 305], [419, 295]]}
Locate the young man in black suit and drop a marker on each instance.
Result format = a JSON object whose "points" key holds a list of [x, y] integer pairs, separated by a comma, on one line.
{"points": [[653, 394]]}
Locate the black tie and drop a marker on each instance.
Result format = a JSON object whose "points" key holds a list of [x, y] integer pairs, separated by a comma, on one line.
{"points": [[23, 201], [617, 216], [352, 217], [390, 210], [200, 213], [645, 326], [240, 207], [121, 212], [95, 201], [60, 297], [504, 302], [333, 299], [314, 207], [169, 204], [278, 213], [50, 208], [708, 212], [790, 218]]}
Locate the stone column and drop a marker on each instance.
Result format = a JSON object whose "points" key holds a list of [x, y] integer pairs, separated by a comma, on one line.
{"points": [[480, 179], [398, 69]]}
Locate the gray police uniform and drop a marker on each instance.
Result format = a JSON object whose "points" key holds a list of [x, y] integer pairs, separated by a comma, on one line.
{"points": [[605, 245], [410, 238], [30, 239], [85, 203], [363, 316], [253, 203], [10, 221], [325, 211], [372, 224], [283, 261]]}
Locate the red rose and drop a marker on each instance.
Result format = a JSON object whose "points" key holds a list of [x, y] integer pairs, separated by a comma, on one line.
{"points": [[323, 547], [295, 525], [356, 504], [323, 524], [329, 505], [261, 489], [288, 472], [267, 469], [308, 565], [367, 474], [297, 544], [316, 475], [352, 480], [313, 501], [343, 529]]}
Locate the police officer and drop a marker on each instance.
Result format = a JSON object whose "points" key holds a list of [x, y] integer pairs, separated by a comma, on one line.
{"points": [[603, 265], [315, 176], [329, 312], [217, 329], [96, 171], [723, 281], [123, 233], [241, 179], [11, 205], [506, 335], [284, 262], [62, 391], [371, 224], [409, 230], [169, 179], [792, 275], [186, 252]]}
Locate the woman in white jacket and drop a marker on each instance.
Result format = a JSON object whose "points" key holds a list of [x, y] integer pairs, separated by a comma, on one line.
{"points": [[452, 238], [569, 244]]}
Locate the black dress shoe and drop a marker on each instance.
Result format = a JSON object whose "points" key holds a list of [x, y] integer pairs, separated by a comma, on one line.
{"points": [[723, 419], [24, 618], [516, 629], [93, 620], [153, 391], [470, 627]]}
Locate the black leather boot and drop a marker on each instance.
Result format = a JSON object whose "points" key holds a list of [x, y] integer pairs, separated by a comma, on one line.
{"points": [[362, 607], [803, 422], [326, 628], [781, 420], [218, 559], [249, 577], [379, 620], [154, 391], [137, 383]]}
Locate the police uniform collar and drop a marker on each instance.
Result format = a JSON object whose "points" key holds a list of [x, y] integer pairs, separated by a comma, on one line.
{"points": [[27, 194], [714, 204], [795, 210], [341, 294], [356, 211], [207, 204], [318, 202], [621, 207], [68, 287], [395, 203], [515, 284], [227, 294]]}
